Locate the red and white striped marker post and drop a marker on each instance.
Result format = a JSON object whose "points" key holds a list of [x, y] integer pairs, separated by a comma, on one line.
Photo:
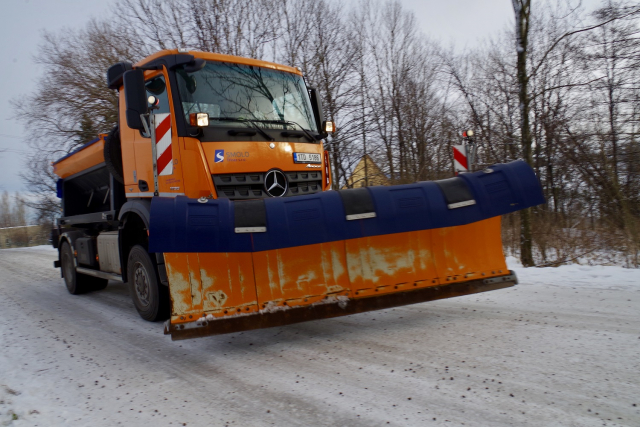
{"points": [[460, 163], [164, 156]]}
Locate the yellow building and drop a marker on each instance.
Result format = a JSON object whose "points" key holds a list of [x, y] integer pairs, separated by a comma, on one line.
{"points": [[366, 174]]}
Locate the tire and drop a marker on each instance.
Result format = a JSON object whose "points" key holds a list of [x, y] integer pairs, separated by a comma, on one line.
{"points": [[113, 155], [77, 283], [150, 298]]}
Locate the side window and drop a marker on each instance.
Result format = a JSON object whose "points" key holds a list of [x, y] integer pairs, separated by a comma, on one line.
{"points": [[157, 87]]}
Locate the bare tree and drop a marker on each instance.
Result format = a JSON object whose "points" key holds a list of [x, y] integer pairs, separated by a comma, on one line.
{"points": [[154, 25], [296, 26], [522, 10], [566, 100], [13, 210], [327, 64], [5, 210], [71, 104]]}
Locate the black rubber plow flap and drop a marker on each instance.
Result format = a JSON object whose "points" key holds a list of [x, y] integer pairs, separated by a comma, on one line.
{"points": [[331, 307]]}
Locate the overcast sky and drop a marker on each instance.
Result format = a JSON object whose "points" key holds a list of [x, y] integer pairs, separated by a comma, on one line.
{"points": [[461, 22]]}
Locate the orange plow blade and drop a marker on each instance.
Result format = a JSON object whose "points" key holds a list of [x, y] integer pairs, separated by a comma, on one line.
{"points": [[218, 293], [248, 264]]}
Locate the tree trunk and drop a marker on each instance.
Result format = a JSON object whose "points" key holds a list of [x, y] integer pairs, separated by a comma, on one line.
{"points": [[522, 9]]}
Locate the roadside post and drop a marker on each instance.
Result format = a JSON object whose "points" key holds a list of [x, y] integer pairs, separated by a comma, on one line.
{"points": [[464, 155]]}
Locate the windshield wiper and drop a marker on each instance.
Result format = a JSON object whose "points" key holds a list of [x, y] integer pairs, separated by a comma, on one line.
{"points": [[243, 120], [289, 122]]}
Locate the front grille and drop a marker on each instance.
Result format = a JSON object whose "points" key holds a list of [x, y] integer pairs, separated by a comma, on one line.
{"points": [[241, 186], [303, 183]]}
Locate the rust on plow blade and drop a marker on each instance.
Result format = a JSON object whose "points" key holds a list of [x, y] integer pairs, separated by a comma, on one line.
{"points": [[333, 307]]}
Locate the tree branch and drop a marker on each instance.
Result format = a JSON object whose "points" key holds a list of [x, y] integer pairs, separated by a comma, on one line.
{"points": [[582, 30]]}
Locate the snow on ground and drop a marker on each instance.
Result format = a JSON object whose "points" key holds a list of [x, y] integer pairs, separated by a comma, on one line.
{"points": [[603, 277], [39, 248], [561, 348]]}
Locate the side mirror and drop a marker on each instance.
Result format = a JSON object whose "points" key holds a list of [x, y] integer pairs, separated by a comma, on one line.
{"points": [[135, 96], [316, 104], [197, 65], [115, 72]]}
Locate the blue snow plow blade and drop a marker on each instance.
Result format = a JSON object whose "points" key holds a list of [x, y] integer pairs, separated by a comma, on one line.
{"points": [[182, 224]]}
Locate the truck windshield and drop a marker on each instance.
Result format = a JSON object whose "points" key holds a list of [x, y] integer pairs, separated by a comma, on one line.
{"points": [[269, 98]]}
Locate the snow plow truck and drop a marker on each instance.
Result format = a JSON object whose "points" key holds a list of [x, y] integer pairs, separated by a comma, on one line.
{"points": [[211, 199]]}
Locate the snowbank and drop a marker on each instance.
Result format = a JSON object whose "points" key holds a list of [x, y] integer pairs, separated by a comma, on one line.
{"points": [[592, 276]]}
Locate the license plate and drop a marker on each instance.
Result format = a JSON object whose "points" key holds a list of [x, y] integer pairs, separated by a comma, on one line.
{"points": [[306, 158]]}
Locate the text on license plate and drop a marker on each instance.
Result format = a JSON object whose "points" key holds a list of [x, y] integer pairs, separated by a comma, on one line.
{"points": [[306, 158]]}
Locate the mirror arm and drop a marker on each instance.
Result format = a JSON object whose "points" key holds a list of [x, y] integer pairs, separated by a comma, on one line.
{"points": [[143, 118], [151, 68]]}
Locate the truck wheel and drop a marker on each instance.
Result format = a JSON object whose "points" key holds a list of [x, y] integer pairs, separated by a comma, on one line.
{"points": [[77, 283], [149, 296], [113, 154]]}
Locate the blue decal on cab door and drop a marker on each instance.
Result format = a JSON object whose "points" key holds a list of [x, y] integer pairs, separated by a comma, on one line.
{"points": [[219, 156]]}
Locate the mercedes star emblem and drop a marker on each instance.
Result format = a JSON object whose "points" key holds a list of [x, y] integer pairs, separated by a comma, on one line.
{"points": [[275, 183]]}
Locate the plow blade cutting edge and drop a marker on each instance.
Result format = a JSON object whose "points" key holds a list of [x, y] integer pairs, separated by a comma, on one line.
{"points": [[234, 266]]}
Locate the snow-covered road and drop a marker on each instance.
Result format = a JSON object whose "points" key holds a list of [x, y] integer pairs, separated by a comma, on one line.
{"points": [[561, 348]]}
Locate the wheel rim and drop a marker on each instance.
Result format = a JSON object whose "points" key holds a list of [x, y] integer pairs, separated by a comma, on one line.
{"points": [[141, 284]]}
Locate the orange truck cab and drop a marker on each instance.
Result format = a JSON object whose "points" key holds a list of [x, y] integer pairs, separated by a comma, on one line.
{"points": [[209, 198], [234, 119]]}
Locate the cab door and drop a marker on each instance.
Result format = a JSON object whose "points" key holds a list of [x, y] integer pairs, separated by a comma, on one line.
{"points": [[167, 149]]}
